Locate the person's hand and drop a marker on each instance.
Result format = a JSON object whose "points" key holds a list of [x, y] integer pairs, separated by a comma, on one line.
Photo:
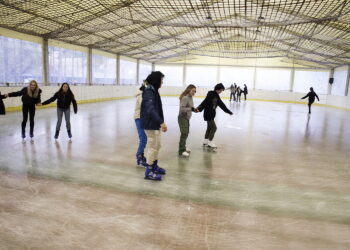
{"points": [[231, 113], [39, 104], [163, 127], [6, 95]]}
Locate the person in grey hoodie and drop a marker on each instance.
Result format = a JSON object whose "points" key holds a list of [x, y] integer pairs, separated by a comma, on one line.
{"points": [[185, 113]]}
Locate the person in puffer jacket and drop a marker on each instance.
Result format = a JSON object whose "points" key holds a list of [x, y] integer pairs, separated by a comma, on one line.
{"points": [[30, 98], [64, 97], [152, 121]]}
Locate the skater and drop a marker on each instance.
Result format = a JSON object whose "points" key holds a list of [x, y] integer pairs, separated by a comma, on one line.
{"points": [[30, 98], [311, 96], [245, 92], [211, 101], [2, 106], [185, 113], [239, 93], [152, 121], [140, 157], [64, 98], [232, 89]]}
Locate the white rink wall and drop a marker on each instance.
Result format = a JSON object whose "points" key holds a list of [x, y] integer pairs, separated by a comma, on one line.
{"points": [[101, 93]]}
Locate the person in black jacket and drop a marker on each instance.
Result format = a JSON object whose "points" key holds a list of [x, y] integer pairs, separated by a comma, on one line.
{"points": [[211, 101], [2, 106], [311, 96], [152, 121], [64, 98], [239, 93], [30, 98], [245, 92]]}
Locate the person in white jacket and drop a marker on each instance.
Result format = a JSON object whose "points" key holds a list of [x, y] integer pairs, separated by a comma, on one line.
{"points": [[140, 157]]}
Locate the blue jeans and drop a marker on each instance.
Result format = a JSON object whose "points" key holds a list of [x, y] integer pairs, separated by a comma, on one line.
{"points": [[60, 113], [142, 137]]}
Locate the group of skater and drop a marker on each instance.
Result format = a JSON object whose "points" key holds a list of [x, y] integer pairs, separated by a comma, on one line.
{"points": [[237, 91], [148, 116], [149, 120], [31, 97]]}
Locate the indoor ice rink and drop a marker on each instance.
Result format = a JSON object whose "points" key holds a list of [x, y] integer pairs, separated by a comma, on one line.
{"points": [[279, 177]]}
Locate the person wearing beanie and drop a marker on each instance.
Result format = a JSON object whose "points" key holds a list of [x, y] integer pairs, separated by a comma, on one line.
{"points": [[211, 101], [140, 156], [152, 121], [311, 95]]}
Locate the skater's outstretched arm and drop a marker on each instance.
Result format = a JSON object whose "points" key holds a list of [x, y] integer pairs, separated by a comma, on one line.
{"points": [[223, 107], [17, 93], [75, 106], [318, 99], [305, 96], [52, 99]]}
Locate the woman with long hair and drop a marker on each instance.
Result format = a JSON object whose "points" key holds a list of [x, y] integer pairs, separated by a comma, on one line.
{"points": [[152, 121], [64, 97], [140, 156], [30, 97], [185, 113]]}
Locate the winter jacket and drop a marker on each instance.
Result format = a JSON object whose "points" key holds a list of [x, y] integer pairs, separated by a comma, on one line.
{"points": [[151, 109], [26, 99], [245, 90], [138, 104], [63, 100], [2, 106], [211, 101], [311, 96], [186, 107]]}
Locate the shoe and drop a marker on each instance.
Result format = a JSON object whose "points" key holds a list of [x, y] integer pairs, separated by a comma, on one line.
{"points": [[185, 154], [69, 134], [211, 145], [31, 139], [56, 134], [205, 142], [158, 169], [140, 160], [188, 150], [150, 174]]}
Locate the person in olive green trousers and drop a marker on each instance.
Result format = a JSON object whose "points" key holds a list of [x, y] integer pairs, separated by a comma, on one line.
{"points": [[185, 113]]}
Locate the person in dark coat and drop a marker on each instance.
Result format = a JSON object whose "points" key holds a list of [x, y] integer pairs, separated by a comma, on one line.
{"points": [[239, 93], [311, 95], [245, 92], [2, 106], [211, 101], [152, 121], [30, 99], [65, 98]]}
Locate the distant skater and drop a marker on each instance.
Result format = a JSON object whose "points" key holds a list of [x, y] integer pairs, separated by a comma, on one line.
{"points": [[239, 93], [211, 101], [64, 97], [30, 97], [245, 92], [311, 95], [232, 89], [185, 114]]}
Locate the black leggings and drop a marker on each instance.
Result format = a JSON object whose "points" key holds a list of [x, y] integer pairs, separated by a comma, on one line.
{"points": [[31, 110]]}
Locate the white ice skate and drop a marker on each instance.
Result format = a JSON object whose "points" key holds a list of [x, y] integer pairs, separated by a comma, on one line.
{"points": [[185, 154], [188, 150], [212, 145], [205, 142]]}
